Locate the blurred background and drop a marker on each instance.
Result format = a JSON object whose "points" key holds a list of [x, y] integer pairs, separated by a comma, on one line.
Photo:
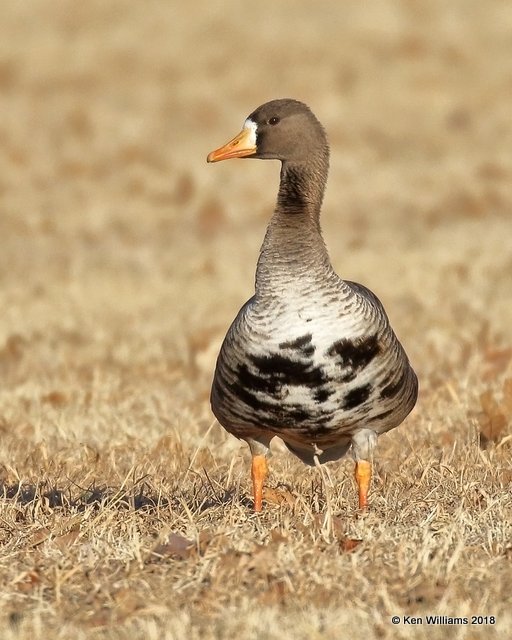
{"points": [[124, 254], [124, 257]]}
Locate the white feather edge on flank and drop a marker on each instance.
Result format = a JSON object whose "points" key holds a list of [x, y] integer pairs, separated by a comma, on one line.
{"points": [[252, 127]]}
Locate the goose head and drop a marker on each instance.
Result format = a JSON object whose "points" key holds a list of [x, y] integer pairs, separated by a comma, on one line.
{"points": [[285, 130]]}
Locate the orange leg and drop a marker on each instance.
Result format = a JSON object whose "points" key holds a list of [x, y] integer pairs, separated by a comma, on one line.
{"points": [[363, 475], [258, 473]]}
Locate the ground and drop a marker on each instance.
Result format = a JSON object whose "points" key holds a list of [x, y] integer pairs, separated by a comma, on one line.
{"points": [[126, 510]]}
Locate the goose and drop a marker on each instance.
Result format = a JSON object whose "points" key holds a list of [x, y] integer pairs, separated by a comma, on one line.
{"points": [[310, 358]]}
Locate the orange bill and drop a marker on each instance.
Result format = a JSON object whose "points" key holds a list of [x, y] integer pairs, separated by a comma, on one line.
{"points": [[242, 145]]}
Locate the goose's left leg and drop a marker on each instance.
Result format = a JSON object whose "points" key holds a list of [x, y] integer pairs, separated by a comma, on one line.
{"points": [[260, 449], [363, 445]]}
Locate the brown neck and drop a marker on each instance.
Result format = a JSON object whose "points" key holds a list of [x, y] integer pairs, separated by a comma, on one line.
{"points": [[293, 252], [302, 186]]}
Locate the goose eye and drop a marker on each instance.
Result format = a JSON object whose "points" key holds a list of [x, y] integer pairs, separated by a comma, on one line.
{"points": [[274, 120]]}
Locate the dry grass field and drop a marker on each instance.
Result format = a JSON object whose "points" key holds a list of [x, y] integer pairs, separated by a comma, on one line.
{"points": [[125, 511]]}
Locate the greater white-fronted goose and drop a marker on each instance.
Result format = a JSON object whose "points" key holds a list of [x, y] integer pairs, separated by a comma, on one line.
{"points": [[310, 358]]}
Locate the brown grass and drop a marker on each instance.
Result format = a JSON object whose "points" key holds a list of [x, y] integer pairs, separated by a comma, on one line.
{"points": [[124, 258]]}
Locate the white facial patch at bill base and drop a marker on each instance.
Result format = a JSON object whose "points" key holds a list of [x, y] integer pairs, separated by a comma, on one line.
{"points": [[252, 127]]}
